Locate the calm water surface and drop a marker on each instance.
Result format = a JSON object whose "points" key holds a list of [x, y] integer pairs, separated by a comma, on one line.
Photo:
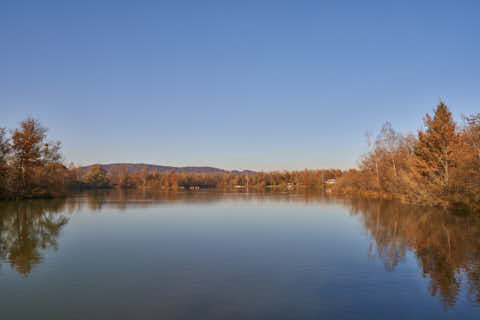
{"points": [[212, 255]]}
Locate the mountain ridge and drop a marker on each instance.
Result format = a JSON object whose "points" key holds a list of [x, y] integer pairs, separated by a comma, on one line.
{"points": [[138, 167]]}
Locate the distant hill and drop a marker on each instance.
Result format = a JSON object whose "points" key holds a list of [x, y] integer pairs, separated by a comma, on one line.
{"points": [[137, 167]]}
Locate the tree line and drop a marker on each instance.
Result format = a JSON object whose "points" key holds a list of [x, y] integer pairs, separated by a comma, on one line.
{"points": [[33, 167], [98, 177], [439, 166]]}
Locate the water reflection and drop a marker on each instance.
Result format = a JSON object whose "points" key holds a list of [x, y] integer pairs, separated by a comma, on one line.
{"points": [[446, 246], [28, 228], [123, 199]]}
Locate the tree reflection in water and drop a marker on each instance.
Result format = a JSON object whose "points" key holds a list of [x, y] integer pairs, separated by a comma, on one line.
{"points": [[28, 228], [446, 245]]}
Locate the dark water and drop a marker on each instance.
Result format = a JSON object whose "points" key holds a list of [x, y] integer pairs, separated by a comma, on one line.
{"points": [[210, 255]]}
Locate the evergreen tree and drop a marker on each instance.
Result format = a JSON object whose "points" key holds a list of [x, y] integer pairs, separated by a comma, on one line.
{"points": [[436, 148]]}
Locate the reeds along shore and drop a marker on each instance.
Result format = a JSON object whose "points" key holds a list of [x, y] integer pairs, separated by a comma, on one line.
{"points": [[438, 166]]}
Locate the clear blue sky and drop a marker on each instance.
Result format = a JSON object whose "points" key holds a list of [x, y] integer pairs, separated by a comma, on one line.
{"points": [[235, 84]]}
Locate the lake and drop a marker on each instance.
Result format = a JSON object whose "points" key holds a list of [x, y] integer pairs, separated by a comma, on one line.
{"points": [[219, 255]]}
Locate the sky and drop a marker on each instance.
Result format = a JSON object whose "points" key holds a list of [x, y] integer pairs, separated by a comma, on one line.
{"points": [[261, 85]]}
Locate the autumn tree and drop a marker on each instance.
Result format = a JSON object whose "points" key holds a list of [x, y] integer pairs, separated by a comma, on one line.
{"points": [[436, 147], [97, 177], [372, 160], [472, 134], [30, 151], [4, 146], [144, 176], [125, 180], [388, 141], [173, 181], [470, 164], [4, 152]]}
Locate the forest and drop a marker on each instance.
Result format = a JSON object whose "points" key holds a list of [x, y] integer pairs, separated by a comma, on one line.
{"points": [[437, 166], [32, 167]]}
